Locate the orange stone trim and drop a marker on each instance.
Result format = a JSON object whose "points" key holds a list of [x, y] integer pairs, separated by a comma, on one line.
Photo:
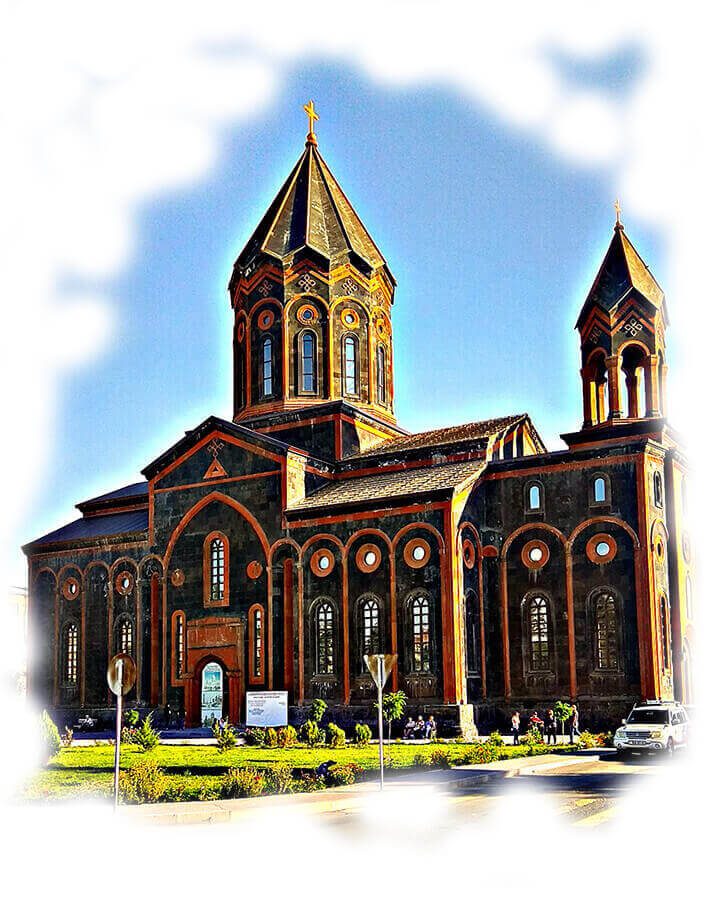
{"points": [[409, 549], [361, 562]]}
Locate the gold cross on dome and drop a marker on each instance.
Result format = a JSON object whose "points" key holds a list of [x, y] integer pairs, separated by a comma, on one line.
{"points": [[618, 210], [313, 117]]}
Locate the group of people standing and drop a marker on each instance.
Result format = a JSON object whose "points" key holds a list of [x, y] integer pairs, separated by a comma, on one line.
{"points": [[547, 726]]}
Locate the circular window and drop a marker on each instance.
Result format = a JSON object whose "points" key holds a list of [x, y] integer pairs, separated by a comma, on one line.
{"points": [[265, 319], [535, 554], [322, 562], [71, 588], [124, 583], [368, 557], [601, 548], [241, 331], [469, 554], [350, 318], [382, 328], [686, 547], [417, 553], [177, 578], [307, 314], [254, 569], [660, 549]]}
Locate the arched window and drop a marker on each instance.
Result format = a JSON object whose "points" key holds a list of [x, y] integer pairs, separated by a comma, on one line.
{"points": [[242, 377], [472, 634], [71, 654], [266, 377], [421, 634], [381, 375], [307, 362], [350, 364], [257, 646], [369, 626], [125, 635], [665, 632], [600, 490], [215, 570], [658, 494], [539, 655], [324, 638], [179, 644], [534, 497], [606, 631]]}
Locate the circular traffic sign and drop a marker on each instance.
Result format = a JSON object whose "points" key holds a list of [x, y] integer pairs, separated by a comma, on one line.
{"points": [[122, 673]]}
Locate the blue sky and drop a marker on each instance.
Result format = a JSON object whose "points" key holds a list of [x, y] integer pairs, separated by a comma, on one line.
{"points": [[493, 241]]}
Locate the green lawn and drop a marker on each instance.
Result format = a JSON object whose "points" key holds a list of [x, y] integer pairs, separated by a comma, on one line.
{"points": [[195, 770]]}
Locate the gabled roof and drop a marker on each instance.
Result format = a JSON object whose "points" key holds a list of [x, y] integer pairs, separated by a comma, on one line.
{"points": [[124, 496], [445, 437], [387, 485], [94, 527], [310, 210], [622, 269]]}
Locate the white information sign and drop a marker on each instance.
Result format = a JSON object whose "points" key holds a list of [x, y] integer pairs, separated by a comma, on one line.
{"points": [[266, 709]]}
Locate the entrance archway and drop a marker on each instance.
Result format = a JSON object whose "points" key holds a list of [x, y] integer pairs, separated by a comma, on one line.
{"points": [[212, 693]]}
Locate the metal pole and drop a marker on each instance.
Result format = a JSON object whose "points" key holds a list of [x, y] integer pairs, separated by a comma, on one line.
{"points": [[380, 676], [118, 729]]}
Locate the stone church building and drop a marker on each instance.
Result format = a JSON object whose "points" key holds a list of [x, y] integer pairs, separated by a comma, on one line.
{"points": [[273, 550]]}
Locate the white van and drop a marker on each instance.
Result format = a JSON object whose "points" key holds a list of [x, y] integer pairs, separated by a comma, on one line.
{"points": [[655, 725]]}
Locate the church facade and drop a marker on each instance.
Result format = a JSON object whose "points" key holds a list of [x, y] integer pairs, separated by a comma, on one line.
{"points": [[274, 550]]}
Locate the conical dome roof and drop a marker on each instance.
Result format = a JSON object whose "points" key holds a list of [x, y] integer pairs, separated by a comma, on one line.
{"points": [[311, 211]]}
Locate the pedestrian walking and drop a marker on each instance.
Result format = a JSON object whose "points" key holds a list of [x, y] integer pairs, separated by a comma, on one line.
{"points": [[515, 727], [550, 727], [573, 723]]}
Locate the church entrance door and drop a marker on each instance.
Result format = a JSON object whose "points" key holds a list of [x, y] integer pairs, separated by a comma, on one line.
{"points": [[211, 693]]}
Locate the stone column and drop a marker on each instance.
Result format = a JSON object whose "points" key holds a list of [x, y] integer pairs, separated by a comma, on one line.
{"points": [[613, 366], [589, 417], [652, 386]]}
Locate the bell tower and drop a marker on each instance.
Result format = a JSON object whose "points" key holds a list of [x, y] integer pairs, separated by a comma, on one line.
{"points": [[312, 300], [622, 331]]}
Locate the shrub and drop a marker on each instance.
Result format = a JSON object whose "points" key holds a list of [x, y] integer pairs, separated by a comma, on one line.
{"points": [[533, 737], [587, 740], [286, 737], [279, 779], [244, 782], [67, 738], [127, 735], [336, 736], [130, 717], [310, 733], [478, 754], [421, 759], [145, 736], [495, 739], [362, 735], [318, 708], [344, 773], [270, 737], [439, 759], [49, 735], [142, 783], [225, 735], [255, 737], [310, 782]]}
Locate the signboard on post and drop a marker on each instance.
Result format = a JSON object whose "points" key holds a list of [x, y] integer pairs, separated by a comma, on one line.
{"points": [[380, 666], [121, 676], [266, 709]]}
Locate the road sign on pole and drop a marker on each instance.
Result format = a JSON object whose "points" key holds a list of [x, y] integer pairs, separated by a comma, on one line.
{"points": [[121, 678], [380, 665]]}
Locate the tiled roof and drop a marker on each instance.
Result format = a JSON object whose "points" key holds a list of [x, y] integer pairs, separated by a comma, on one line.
{"points": [[97, 527], [311, 210], [386, 485], [440, 437]]}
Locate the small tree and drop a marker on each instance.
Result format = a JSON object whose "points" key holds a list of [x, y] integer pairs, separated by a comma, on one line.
{"points": [[318, 708], [51, 742], [393, 705], [562, 711], [145, 736]]}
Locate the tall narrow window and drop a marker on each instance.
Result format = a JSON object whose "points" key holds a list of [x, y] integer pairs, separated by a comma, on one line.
{"points": [[534, 497], [659, 499], [538, 622], [665, 633], [324, 639], [125, 643], [71, 654], [350, 364], [266, 379], [370, 621], [600, 492], [381, 375], [218, 563], [606, 631], [242, 388], [307, 357], [472, 642], [179, 646], [421, 636], [257, 647]]}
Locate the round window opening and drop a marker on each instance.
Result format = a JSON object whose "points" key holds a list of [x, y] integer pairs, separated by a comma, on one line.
{"points": [[602, 548], [322, 562], [417, 553], [370, 558], [124, 583], [70, 589], [469, 554], [536, 554]]}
